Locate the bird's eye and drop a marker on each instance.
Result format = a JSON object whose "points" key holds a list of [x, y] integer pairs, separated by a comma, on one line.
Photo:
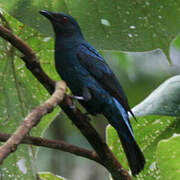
{"points": [[64, 19]]}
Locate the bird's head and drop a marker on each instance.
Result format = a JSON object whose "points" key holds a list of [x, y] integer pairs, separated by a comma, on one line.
{"points": [[64, 25]]}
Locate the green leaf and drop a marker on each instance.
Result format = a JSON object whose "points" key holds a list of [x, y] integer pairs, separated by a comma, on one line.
{"points": [[176, 42], [20, 92], [151, 129], [49, 176], [165, 100], [148, 132], [111, 25], [168, 158]]}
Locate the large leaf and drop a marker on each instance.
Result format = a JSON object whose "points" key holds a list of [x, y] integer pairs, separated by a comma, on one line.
{"points": [[19, 93], [168, 158], [113, 25], [165, 100], [149, 130]]}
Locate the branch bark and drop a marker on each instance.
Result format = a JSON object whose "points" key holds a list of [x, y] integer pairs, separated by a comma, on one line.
{"points": [[32, 119], [80, 120], [56, 144]]}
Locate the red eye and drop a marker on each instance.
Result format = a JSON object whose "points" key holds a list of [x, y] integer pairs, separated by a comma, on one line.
{"points": [[64, 19]]}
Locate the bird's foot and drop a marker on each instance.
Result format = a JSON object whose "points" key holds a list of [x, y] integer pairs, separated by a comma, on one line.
{"points": [[75, 98]]}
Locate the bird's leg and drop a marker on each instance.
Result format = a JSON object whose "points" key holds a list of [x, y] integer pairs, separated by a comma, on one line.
{"points": [[86, 96], [76, 98], [72, 106]]}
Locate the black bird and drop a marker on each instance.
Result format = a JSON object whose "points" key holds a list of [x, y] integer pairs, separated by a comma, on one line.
{"points": [[93, 83]]}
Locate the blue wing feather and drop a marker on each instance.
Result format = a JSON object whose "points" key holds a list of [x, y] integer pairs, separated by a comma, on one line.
{"points": [[124, 116], [99, 69]]}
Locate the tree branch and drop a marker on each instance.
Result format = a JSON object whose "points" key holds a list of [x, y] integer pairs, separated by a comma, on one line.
{"points": [[29, 57], [80, 120], [56, 144], [32, 119]]}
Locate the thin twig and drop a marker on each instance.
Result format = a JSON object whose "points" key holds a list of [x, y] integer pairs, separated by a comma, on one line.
{"points": [[56, 144], [32, 119], [80, 120]]}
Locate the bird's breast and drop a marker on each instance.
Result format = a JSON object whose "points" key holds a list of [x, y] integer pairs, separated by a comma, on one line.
{"points": [[72, 72]]}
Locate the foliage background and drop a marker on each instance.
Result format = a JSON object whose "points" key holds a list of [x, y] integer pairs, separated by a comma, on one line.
{"points": [[112, 27]]}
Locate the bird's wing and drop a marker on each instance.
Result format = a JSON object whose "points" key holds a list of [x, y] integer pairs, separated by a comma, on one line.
{"points": [[99, 69]]}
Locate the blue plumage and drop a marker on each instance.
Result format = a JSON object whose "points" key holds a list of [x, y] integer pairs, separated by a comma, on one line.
{"points": [[88, 75]]}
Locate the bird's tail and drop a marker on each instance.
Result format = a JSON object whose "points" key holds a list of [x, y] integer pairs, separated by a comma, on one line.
{"points": [[119, 119], [133, 153]]}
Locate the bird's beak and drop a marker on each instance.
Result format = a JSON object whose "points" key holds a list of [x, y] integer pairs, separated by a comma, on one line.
{"points": [[47, 14]]}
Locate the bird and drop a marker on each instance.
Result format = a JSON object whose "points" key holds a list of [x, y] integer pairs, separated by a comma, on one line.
{"points": [[93, 83]]}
